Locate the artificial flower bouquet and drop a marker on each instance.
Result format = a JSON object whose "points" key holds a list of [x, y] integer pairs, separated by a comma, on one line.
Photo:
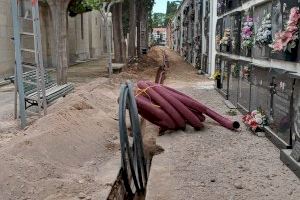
{"points": [[247, 33], [226, 37], [245, 72], [264, 33], [255, 120], [287, 39]]}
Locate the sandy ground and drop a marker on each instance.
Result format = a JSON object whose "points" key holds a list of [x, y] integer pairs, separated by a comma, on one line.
{"points": [[216, 163]]}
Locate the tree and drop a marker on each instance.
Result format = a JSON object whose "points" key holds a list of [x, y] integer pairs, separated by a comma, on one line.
{"points": [[172, 7], [158, 20], [58, 9], [118, 36], [132, 29]]}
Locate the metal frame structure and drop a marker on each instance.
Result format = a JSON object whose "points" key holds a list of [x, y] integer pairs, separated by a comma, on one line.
{"points": [[37, 64]]}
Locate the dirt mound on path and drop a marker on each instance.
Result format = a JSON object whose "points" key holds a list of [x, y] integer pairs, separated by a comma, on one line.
{"points": [[62, 153]]}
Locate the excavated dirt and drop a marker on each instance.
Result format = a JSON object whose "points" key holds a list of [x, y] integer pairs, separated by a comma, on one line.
{"points": [[63, 155]]}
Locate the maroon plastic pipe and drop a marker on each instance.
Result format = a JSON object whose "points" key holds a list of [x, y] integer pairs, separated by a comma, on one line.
{"points": [[193, 104]]}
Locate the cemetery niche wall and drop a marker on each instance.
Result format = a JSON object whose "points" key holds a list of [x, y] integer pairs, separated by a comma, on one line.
{"points": [[266, 75]]}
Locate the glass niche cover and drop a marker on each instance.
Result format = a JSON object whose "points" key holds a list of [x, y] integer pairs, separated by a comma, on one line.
{"points": [[285, 30]]}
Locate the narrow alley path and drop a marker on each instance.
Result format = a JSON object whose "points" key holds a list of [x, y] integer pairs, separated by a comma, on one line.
{"points": [[215, 163]]}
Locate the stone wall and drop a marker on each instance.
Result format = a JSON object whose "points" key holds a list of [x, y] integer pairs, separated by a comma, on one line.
{"points": [[84, 34], [6, 44]]}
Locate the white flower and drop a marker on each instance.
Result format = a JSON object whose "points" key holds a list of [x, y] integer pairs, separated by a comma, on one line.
{"points": [[259, 121], [254, 112]]}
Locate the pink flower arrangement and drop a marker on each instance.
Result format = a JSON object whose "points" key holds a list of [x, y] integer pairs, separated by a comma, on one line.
{"points": [[247, 33], [255, 120], [286, 40]]}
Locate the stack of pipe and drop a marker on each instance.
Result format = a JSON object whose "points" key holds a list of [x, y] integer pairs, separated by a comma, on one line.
{"points": [[172, 110]]}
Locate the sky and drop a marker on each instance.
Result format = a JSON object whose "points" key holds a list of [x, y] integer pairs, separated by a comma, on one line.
{"points": [[160, 6]]}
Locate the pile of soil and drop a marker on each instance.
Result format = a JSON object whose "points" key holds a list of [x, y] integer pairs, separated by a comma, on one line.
{"points": [[59, 156]]}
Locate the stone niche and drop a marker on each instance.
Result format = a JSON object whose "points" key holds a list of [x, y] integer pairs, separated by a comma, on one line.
{"points": [[260, 89], [244, 51], [226, 29], [244, 87], [232, 4], [225, 72], [260, 12], [296, 112], [280, 15], [218, 70], [233, 81], [219, 33], [221, 6], [281, 104], [235, 27]]}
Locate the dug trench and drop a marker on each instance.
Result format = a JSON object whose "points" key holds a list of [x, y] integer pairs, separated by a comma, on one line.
{"points": [[149, 133]]}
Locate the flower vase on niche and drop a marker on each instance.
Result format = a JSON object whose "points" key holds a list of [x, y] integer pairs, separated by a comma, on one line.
{"points": [[225, 41], [247, 35], [287, 41], [248, 52], [263, 37], [292, 55]]}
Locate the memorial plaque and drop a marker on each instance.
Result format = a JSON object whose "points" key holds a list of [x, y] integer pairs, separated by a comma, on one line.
{"points": [[226, 48], [296, 151], [244, 86], [281, 123], [262, 22], [277, 25], [235, 22], [234, 81], [224, 76], [244, 1], [244, 51], [204, 67], [220, 7], [218, 69], [260, 92], [296, 110], [219, 34], [232, 4]]}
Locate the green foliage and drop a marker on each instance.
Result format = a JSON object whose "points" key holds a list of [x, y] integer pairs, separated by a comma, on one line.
{"points": [[158, 20], [172, 7], [78, 7]]}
